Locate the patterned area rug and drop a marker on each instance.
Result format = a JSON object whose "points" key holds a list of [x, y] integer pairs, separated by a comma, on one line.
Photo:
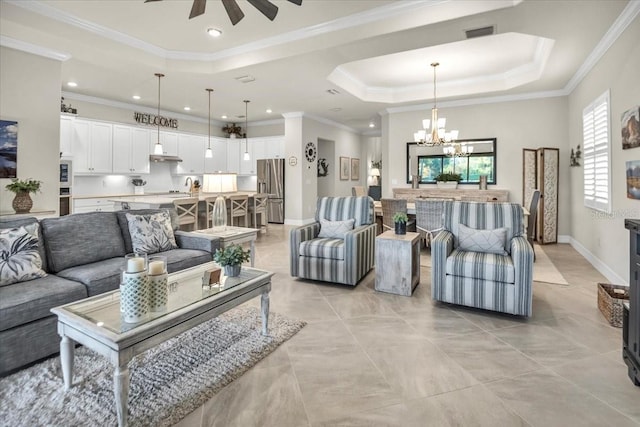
{"points": [[167, 382]]}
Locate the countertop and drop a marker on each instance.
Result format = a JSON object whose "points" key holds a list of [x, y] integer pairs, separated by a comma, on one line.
{"points": [[167, 199]]}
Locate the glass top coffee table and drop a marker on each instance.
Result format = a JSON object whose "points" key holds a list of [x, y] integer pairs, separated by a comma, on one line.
{"points": [[97, 323]]}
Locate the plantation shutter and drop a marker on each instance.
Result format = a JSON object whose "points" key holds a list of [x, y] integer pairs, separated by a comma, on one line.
{"points": [[597, 156]]}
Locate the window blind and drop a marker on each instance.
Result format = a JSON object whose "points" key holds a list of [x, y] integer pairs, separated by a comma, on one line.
{"points": [[597, 154]]}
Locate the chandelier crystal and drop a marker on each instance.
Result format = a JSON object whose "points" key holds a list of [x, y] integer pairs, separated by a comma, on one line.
{"points": [[437, 135]]}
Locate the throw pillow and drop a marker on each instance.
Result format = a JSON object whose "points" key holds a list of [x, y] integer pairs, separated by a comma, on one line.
{"points": [[335, 229], [487, 241], [151, 233], [20, 260]]}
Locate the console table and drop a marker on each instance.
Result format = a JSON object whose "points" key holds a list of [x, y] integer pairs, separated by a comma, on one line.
{"points": [[454, 193]]}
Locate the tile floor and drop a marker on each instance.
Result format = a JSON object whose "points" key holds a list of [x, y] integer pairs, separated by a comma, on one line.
{"points": [[373, 359]]}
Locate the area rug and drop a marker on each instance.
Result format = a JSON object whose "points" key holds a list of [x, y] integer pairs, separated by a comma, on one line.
{"points": [[167, 382]]}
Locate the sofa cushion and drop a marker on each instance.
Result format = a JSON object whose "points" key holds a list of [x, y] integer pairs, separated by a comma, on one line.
{"points": [[323, 248], [335, 229], [98, 277], [124, 223], [25, 302], [79, 239], [151, 233], [488, 241], [180, 259], [19, 257], [15, 223], [479, 265]]}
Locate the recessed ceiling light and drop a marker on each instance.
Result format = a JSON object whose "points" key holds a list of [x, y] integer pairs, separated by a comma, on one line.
{"points": [[72, 84], [269, 111], [372, 125], [224, 116], [136, 97], [187, 108], [214, 32]]}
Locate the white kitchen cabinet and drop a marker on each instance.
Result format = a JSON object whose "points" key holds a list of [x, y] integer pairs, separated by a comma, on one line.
{"points": [[92, 147], [130, 150], [191, 150], [169, 141], [218, 163], [66, 136], [273, 147], [248, 167], [233, 155], [92, 205]]}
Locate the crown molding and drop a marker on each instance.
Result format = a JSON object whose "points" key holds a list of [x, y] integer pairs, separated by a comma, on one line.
{"points": [[617, 28], [34, 49], [331, 123]]}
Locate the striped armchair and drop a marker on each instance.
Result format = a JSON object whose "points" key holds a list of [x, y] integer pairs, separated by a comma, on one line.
{"points": [[335, 260], [489, 281]]}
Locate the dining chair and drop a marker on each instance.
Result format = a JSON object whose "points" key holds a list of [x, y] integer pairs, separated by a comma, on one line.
{"points": [[259, 207], [239, 208], [531, 225], [358, 191], [389, 208], [429, 218], [187, 210]]}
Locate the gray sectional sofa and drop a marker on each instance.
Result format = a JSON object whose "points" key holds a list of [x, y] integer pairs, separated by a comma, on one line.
{"points": [[83, 256]]}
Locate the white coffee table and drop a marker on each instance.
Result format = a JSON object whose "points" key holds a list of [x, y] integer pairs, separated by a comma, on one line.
{"points": [[98, 324], [231, 235]]}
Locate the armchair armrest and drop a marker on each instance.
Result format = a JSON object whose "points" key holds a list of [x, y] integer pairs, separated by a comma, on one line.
{"points": [[297, 236], [441, 247], [522, 257], [359, 251], [201, 241]]}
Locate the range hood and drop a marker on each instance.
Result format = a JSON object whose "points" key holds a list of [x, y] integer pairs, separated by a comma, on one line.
{"points": [[164, 158]]}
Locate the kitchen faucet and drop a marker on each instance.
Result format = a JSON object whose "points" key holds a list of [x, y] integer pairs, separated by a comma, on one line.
{"points": [[189, 183]]}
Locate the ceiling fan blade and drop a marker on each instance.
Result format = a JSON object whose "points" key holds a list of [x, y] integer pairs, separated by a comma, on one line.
{"points": [[267, 8], [233, 10], [298, 2], [198, 8]]}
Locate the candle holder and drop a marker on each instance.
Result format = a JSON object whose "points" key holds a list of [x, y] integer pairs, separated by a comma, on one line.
{"points": [[134, 291], [158, 283]]}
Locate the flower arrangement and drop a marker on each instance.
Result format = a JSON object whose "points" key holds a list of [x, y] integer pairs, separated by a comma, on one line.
{"points": [[449, 176], [400, 217], [138, 182], [24, 186], [231, 255], [232, 129]]}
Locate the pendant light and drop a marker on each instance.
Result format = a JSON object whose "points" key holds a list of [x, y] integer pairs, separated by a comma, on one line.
{"points": [[157, 149], [247, 156], [209, 153]]}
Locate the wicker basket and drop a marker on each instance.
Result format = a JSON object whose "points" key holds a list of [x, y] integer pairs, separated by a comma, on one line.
{"points": [[610, 300]]}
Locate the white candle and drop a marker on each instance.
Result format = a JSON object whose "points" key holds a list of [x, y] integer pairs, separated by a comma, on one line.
{"points": [[135, 265], [156, 267]]}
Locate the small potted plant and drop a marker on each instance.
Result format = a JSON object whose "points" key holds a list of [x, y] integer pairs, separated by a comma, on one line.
{"points": [[448, 179], [138, 185], [231, 259], [400, 221], [22, 202]]}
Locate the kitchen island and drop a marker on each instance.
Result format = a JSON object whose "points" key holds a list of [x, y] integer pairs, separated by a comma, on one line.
{"points": [[155, 201]]}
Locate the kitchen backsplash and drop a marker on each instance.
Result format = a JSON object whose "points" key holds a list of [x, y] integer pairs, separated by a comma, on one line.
{"points": [[159, 180]]}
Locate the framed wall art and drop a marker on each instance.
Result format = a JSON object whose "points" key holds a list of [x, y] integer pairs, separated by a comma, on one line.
{"points": [[8, 149], [344, 168], [633, 179], [355, 169], [631, 128]]}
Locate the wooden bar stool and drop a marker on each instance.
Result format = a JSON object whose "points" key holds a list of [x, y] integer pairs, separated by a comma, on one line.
{"points": [[187, 210], [259, 207], [239, 208]]}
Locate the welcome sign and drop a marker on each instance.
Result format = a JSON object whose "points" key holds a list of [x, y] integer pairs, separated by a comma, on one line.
{"points": [[150, 119]]}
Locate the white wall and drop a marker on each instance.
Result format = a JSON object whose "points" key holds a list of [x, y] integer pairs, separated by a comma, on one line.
{"points": [[326, 184], [516, 125], [600, 237], [30, 94]]}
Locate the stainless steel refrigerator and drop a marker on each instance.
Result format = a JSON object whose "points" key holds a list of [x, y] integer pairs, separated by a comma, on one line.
{"points": [[271, 181]]}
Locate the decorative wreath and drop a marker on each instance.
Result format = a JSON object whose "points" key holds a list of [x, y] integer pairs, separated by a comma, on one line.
{"points": [[323, 167]]}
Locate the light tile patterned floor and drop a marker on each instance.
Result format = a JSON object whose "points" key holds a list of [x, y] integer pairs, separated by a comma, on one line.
{"points": [[373, 359]]}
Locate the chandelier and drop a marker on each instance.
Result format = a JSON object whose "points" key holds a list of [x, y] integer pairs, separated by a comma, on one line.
{"points": [[457, 150], [437, 135]]}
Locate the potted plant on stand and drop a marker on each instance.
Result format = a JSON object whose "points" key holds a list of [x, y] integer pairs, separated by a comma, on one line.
{"points": [[448, 180], [231, 259], [22, 202], [400, 222]]}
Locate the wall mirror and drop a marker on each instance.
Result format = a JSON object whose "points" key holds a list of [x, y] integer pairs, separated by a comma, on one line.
{"points": [[429, 162]]}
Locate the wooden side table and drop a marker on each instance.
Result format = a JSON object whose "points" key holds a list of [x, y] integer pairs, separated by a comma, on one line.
{"points": [[397, 262]]}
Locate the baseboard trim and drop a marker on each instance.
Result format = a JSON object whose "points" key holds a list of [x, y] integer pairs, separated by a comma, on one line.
{"points": [[604, 269]]}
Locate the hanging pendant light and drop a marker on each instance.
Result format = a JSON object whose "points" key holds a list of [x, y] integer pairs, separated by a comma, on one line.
{"points": [[157, 149], [438, 135], [209, 153], [247, 156]]}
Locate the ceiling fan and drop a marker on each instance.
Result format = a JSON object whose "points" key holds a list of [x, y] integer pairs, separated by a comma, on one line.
{"points": [[267, 8]]}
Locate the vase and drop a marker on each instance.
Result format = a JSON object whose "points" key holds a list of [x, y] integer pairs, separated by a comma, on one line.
{"points": [[22, 203], [401, 227], [138, 190], [232, 270]]}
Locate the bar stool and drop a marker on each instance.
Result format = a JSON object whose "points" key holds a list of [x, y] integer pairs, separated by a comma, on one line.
{"points": [[187, 210], [259, 207], [239, 209]]}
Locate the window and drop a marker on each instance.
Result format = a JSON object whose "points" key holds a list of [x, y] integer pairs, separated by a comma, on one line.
{"points": [[429, 167], [597, 156]]}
